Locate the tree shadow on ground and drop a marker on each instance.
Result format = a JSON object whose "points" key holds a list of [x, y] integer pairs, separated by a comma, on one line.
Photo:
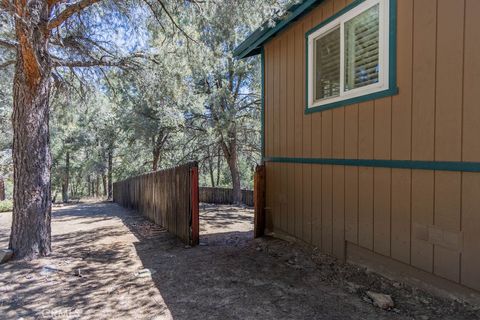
{"points": [[101, 249], [232, 276], [91, 273], [75, 278]]}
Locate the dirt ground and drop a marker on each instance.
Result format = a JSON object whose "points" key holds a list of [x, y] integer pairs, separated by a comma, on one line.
{"points": [[101, 251]]}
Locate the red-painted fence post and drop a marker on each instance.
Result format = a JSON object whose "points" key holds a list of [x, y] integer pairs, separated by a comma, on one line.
{"points": [[259, 201]]}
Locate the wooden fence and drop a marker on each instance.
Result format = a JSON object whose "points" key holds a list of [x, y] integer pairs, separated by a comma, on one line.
{"points": [[224, 196], [169, 198]]}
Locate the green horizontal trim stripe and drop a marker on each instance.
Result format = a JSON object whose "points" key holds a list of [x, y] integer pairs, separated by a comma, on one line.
{"points": [[396, 164]]}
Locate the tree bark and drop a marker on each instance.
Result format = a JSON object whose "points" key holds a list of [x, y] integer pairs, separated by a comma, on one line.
{"points": [[237, 190], [97, 186], [230, 153], [104, 181], [89, 186], [79, 186], [219, 165], [2, 189], [158, 145], [66, 179], [110, 173], [156, 159], [210, 168], [73, 189], [31, 234]]}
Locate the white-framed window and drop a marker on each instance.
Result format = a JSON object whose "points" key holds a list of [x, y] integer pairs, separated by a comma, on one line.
{"points": [[348, 57]]}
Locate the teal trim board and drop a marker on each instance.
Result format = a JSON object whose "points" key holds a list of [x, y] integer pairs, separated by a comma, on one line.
{"points": [[392, 81], [393, 46], [347, 102], [262, 132], [394, 164], [253, 44], [351, 6]]}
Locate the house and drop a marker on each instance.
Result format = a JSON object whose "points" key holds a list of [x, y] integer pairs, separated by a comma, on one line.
{"points": [[371, 134]]}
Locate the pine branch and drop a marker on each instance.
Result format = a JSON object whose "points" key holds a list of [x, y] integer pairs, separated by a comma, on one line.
{"points": [[8, 6], [8, 44], [7, 63], [70, 11], [164, 7], [87, 63], [104, 61]]}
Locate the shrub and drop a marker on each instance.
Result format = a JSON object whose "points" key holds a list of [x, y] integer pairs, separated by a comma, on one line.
{"points": [[6, 206]]}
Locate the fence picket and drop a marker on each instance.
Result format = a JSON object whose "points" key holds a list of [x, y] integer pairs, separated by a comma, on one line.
{"points": [[164, 197], [224, 196]]}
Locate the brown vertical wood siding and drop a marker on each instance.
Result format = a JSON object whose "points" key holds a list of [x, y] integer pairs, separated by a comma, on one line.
{"points": [[427, 219]]}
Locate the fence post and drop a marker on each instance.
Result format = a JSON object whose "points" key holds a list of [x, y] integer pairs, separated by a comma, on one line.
{"points": [[259, 201], [195, 237]]}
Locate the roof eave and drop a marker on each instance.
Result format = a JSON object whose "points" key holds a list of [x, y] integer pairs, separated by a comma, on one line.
{"points": [[253, 44]]}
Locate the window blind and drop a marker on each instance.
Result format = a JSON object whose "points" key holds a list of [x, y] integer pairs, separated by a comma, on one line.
{"points": [[362, 49], [327, 65]]}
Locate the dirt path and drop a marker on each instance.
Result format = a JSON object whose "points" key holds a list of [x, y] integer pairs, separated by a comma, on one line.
{"points": [[99, 249]]}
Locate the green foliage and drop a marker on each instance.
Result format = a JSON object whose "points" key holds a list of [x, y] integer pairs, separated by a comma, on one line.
{"points": [[9, 188], [188, 100], [6, 206], [6, 78]]}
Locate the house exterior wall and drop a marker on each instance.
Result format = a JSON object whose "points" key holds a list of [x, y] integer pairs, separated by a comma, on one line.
{"points": [[427, 219]]}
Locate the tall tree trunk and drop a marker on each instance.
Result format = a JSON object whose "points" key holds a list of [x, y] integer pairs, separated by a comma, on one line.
{"points": [[156, 159], [158, 145], [210, 168], [219, 164], [31, 234], [230, 152], [2, 189], [212, 176], [237, 191], [110, 173], [89, 186], [97, 187], [104, 181], [66, 178], [79, 187], [73, 189]]}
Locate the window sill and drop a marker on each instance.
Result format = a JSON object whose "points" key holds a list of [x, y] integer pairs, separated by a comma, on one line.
{"points": [[346, 102]]}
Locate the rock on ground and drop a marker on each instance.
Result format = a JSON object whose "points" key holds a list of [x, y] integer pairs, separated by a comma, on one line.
{"points": [[383, 301], [132, 269]]}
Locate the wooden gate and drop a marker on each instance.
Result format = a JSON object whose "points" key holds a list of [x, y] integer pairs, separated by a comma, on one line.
{"points": [[168, 197]]}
